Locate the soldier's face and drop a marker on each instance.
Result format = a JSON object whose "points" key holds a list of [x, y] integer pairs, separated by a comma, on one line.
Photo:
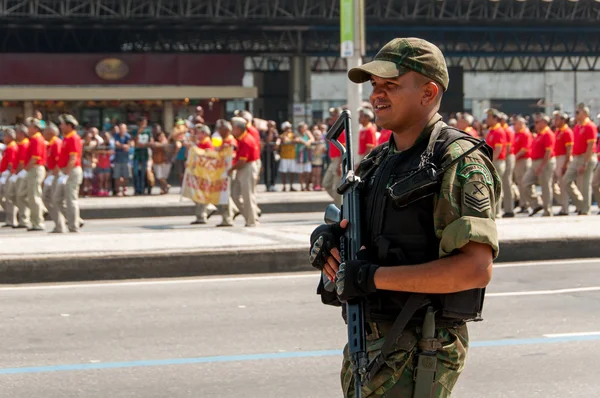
{"points": [[397, 101]]}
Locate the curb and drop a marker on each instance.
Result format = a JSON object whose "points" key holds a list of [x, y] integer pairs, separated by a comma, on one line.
{"points": [[187, 210], [172, 264]]}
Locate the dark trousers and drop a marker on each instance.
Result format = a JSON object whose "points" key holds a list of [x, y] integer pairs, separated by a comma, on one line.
{"points": [[269, 167], [139, 176]]}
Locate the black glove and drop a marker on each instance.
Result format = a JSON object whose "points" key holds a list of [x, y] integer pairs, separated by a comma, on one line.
{"points": [[355, 278], [322, 240]]}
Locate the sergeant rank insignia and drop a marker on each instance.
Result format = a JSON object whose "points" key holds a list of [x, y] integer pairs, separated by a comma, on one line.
{"points": [[476, 197]]}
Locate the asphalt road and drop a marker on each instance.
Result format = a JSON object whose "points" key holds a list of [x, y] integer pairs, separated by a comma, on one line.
{"points": [[269, 336]]}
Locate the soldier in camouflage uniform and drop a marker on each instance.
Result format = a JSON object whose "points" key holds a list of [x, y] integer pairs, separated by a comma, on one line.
{"points": [[440, 243]]}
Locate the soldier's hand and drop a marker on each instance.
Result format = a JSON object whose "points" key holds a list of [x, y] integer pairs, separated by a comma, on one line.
{"points": [[324, 252], [355, 278]]}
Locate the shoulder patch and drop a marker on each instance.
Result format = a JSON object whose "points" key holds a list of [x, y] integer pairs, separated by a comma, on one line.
{"points": [[475, 168], [475, 196]]}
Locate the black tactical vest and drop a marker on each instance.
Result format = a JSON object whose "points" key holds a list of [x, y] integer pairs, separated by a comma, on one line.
{"points": [[403, 233]]}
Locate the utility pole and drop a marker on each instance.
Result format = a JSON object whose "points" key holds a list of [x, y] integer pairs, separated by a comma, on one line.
{"points": [[352, 48]]}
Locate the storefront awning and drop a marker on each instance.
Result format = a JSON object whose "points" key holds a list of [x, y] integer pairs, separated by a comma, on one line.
{"points": [[123, 92]]}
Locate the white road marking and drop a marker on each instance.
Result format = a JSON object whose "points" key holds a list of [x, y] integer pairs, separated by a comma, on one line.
{"points": [[299, 275], [573, 334], [542, 292]]}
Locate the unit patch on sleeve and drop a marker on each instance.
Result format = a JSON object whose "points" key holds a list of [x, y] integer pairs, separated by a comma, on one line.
{"points": [[470, 169]]}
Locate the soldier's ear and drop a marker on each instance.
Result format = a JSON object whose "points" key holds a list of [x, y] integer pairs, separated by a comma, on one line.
{"points": [[430, 93]]}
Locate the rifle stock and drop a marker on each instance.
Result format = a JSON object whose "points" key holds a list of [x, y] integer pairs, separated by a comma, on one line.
{"points": [[349, 247]]}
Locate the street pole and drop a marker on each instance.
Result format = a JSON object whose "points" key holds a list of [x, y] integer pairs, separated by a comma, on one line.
{"points": [[352, 35]]}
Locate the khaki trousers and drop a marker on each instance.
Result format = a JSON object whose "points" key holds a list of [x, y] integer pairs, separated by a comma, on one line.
{"points": [[22, 203], [563, 195], [584, 200], [331, 180], [521, 168], [10, 194], [202, 211], [500, 166], [48, 192], [596, 185], [66, 201], [544, 180], [228, 210], [243, 193], [507, 183], [35, 178], [10, 212]]}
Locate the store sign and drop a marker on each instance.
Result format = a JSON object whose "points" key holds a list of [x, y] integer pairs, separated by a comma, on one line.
{"points": [[111, 69]]}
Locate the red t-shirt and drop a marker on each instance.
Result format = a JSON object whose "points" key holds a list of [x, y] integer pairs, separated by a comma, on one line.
{"points": [[9, 157], [523, 140], [367, 138], [206, 144], [384, 136], [246, 148], [53, 152], [23, 151], [510, 139], [254, 133], [333, 151], [584, 134], [564, 138], [543, 141], [497, 138], [37, 150], [471, 131], [71, 145]]}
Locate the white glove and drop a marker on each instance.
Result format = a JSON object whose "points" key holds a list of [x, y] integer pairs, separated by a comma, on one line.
{"points": [[13, 178], [22, 173], [3, 180], [49, 180], [63, 179]]}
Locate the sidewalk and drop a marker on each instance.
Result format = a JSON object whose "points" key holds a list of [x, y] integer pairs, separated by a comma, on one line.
{"points": [[276, 247]]}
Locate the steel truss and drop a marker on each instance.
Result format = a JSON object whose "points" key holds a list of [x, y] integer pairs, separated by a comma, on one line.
{"points": [[303, 11]]}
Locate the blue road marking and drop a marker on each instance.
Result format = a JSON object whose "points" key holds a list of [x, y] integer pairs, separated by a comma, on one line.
{"points": [[267, 356]]}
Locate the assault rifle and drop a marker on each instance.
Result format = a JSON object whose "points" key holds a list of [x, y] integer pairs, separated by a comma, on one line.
{"points": [[349, 246]]}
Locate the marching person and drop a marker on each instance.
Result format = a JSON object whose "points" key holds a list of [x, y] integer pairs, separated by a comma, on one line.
{"points": [[66, 198], [244, 190], [50, 185], [20, 191], [422, 247], [7, 166], [36, 172], [584, 161], [203, 211], [542, 167], [563, 150], [507, 181], [522, 149], [496, 138], [367, 138], [229, 210]]}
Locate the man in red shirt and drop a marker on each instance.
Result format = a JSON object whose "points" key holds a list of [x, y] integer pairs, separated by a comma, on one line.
{"points": [[244, 190], [563, 151], [6, 167], [367, 138], [66, 198], [522, 150], [542, 166], [21, 183], [333, 174], [256, 135], [465, 123], [203, 141], [584, 160], [51, 183], [496, 138], [36, 172], [507, 181]]}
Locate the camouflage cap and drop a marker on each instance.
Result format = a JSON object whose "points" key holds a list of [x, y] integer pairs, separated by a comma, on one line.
{"points": [[70, 119], [403, 55]]}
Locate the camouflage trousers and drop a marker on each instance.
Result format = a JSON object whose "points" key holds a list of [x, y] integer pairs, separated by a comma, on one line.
{"points": [[396, 378]]}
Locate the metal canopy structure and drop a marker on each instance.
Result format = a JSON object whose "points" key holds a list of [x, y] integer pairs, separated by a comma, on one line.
{"points": [[480, 35]]}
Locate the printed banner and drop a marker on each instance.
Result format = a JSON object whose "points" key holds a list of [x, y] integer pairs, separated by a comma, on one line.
{"points": [[346, 28], [205, 179]]}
